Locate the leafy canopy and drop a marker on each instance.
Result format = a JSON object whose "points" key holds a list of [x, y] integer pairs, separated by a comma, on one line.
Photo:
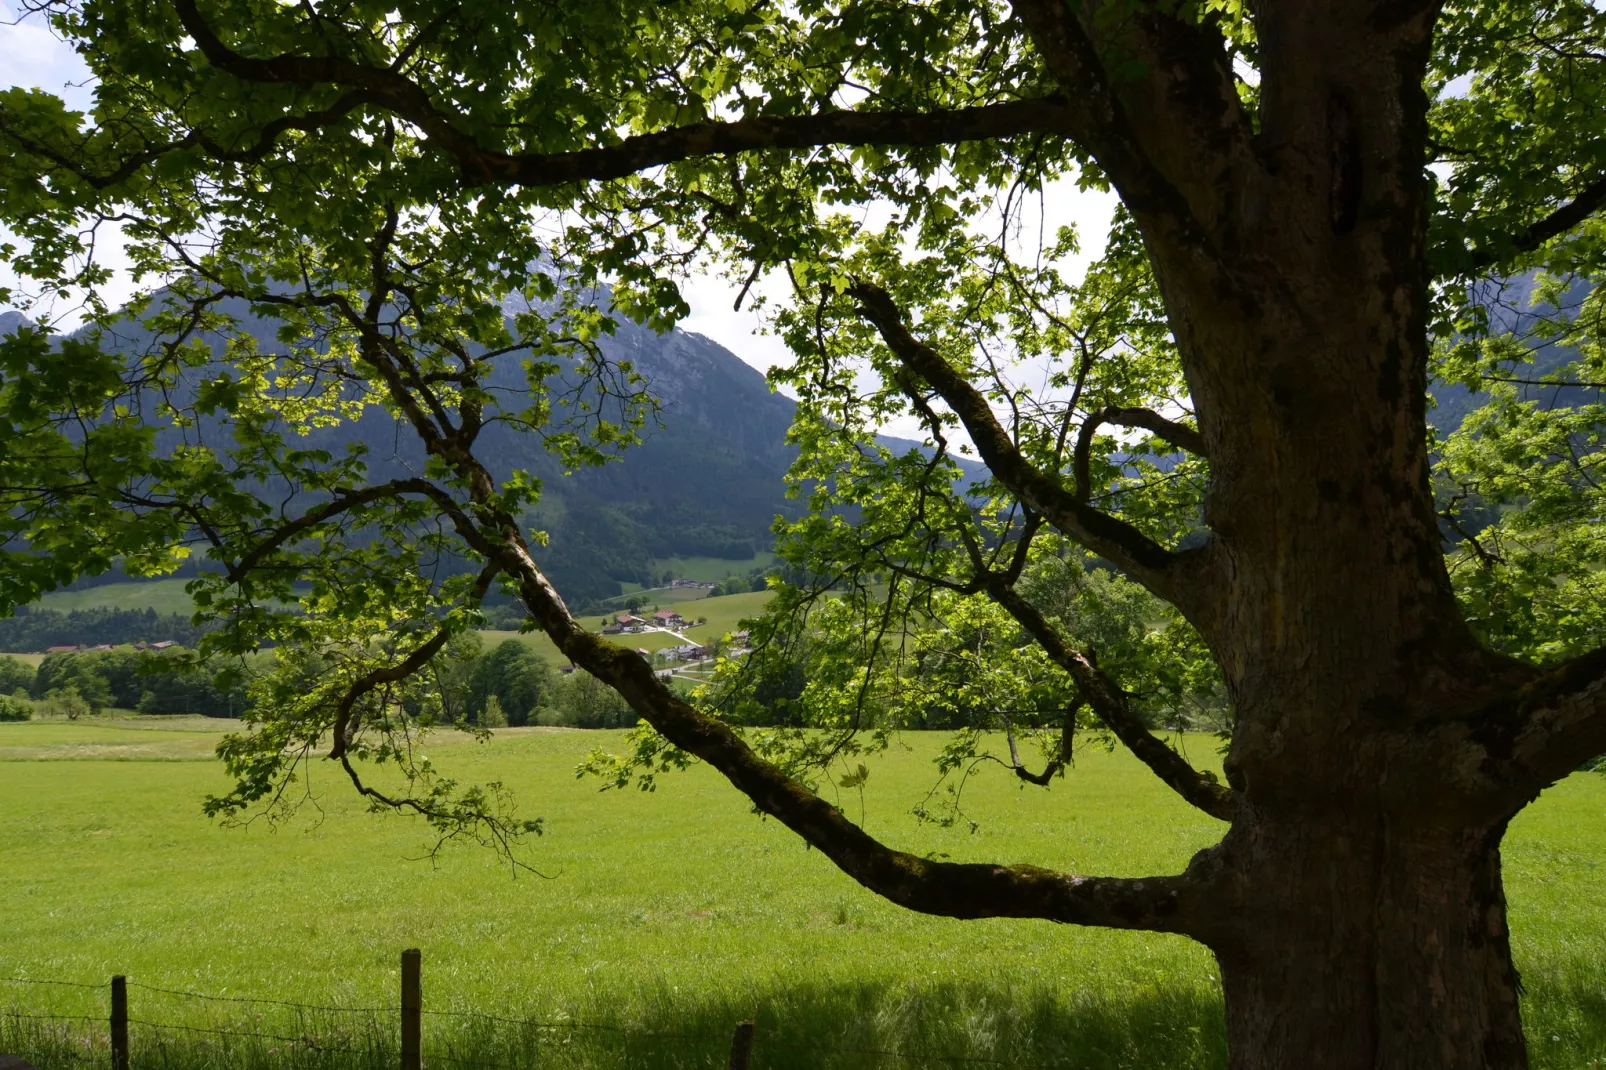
{"points": [[339, 209]]}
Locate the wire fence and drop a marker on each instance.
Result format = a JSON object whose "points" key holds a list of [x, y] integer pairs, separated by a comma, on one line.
{"points": [[59, 1039]]}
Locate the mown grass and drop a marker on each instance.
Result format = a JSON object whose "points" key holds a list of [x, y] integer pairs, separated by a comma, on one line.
{"points": [[164, 596], [660, 919], [710, 569]]}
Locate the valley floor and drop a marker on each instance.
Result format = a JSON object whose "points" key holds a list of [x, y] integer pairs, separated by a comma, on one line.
{"points": [[657, 920]]}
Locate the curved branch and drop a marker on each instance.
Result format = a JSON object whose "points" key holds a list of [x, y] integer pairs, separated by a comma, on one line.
{"points": [[960, 890], [389, 674], [1179, 577], [313, 517], [950, 889], [1586, 203], [1179, 435], [1059, 761], [1112, 707], [1544, 729], [266, 139], [387, 87]]}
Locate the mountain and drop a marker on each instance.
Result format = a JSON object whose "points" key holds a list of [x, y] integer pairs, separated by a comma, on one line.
{"points": [[706, 481], [1511, 308]]}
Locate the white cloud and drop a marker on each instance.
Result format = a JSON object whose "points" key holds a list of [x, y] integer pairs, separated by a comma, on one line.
{"points": [[34, 57], [31, 55]]}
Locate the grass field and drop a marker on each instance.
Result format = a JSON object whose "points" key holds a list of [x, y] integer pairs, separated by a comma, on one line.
{"points": [[164, 596], [167, 596], [665, 917], [711, 569]]}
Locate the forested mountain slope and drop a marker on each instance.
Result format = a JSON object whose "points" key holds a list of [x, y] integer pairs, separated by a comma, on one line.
{"points": [[706, 481]]}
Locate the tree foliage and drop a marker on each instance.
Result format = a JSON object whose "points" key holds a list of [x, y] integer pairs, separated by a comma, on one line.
{"points": [[1227, 407]]}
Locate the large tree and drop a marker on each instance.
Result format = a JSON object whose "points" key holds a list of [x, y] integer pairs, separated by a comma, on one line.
{"points": [[1316, 198]]}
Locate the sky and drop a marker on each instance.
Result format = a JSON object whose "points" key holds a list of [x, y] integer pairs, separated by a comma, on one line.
{"points": [[31, 55]]}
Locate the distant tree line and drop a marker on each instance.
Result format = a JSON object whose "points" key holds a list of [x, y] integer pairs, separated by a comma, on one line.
{"points": [[513, 686], [756, 579], [34, 629], [509, 685], [160, 682]]}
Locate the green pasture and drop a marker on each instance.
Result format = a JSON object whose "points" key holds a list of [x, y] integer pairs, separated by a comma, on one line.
{"points": [[711, 569], [169, 596], [662, 595], [164, 596], [723, 613], [656, 921]]}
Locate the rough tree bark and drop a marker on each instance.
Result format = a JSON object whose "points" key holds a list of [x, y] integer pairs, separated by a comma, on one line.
{"points": [[1355, 903]]}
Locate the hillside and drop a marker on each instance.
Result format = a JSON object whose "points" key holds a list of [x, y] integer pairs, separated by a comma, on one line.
{"points": [[1511, 307], [706, 482], [722, 613]]}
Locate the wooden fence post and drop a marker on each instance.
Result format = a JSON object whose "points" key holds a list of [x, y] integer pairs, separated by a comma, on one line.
{"points": [[741, 1046], [412, 1010], [119, 1022]]}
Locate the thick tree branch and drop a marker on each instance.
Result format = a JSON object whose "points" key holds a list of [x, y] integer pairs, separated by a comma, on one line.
{"points": [[337, 505], [906, 128], [1112, 707], [388, 88], [1166, 139], [1179, 435], [1177, 577], [1586, 203], [950, 889], [1544, 729], [1169, 904]]}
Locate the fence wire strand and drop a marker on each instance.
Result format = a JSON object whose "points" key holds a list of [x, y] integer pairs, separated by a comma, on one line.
{"points": [[312, 1044], [36, 981], [268, 1002], [536, 1023]]}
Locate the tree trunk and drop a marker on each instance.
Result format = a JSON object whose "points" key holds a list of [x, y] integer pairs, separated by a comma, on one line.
{"points": [[1361, 943]]}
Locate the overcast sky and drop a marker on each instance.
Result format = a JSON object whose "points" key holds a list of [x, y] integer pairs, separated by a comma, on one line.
{"points": [[31, 55]]}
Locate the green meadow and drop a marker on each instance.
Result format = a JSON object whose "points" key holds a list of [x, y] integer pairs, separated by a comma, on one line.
{"points": [[723, 613], [164, 596], [169, 596], [655, 921]]}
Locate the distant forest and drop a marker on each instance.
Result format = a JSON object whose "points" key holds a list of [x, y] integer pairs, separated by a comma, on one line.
{"points": [[33, 629]]}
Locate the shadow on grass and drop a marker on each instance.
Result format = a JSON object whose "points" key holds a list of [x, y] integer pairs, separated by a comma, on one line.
{"points": [[798, 1027]]}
